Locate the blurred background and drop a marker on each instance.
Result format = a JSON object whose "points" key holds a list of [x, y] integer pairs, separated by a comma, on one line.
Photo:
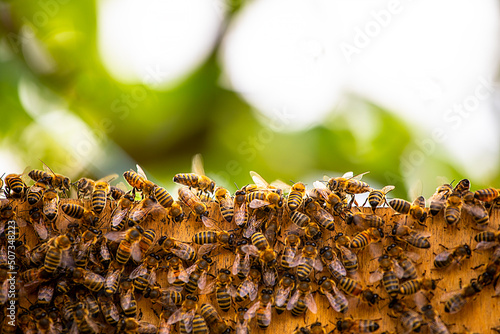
{"points": [[292, 89]]}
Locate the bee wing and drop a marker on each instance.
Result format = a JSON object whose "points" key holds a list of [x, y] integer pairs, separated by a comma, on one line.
{"points": [[112, 277], [311, 303], [236, 263], [293, 300], [208, 222], [202, 282], [267, 315], [281, 295], [250, 249], [497, 288], [118, 216], [5, 292], [376, 276], [398, 270], [348, 254], [21, 222], [253, 291], [443, 256], [245, 268], [296, 261], [175, 317], [269, 277], [126, 299], [252, 310], [108, 178], [318, 265], [412, 256], [259, 180], [232, 291], [115, 236], [191, 268], [281, 185], [208, 288], [141, 172], [356, 177], [197, 165], [139, 271], [482, 245], [67, 259], [336, 265], [135, 252], [257, 203], [206, 248], [386, 189], [416, 189], [240, 214], [41, 229]]}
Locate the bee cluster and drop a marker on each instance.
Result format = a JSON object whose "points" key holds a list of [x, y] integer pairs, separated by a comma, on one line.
{"points": [[95, 263]]}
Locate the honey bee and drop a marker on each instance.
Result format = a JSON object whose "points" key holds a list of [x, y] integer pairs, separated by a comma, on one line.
{"points": [[260, 248], [296, 196], [390, 277], [262, 309], [405, 260], [139, 213], [127, 298], [285, 287], [413, 286], [109, 310], [185, 314], [292, 243], [348, 285], [307, 261], [410, 236], [476, 209], [331, 261], [84, 187], [50, 204], [349, 184], [302, 299], [242, 326], [198, 274], [462, 187], [139, 181], [197, 178], [241, 264], [453, 208], [357, 326], [367, 237], [35, 192], [337, 299], [54, 256], [214, 321], [416, 209], [100, 193], [240, 208], [177, 275], [163, 197], [225, 202], [83, 245], [408, 319], [248, 288], [264, 198], [323, 217], [448, 257], [438, 199], [375, 197], [209, 240], [131, 325], [167, 298], [180, 249], [487, 239], [145, 274], [77, 211], [112, 281], [129, 244], [364, 221], [57, 181], [486, 195], [119, 214], [197, 207], [311, 229], [223, 289], [37, 222], [455, 301], [436, 325], [15, 186], [90, 280], [45, 294], [348, 258]]}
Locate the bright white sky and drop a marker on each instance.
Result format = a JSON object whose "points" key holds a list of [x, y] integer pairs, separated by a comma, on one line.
{"points": [[432, 62]]}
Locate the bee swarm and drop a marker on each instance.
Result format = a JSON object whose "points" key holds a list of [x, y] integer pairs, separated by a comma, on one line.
{"points": [[266, 236]]}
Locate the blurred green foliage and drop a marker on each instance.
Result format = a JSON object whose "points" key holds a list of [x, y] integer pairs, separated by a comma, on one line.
{"points": [[162, 130]]}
